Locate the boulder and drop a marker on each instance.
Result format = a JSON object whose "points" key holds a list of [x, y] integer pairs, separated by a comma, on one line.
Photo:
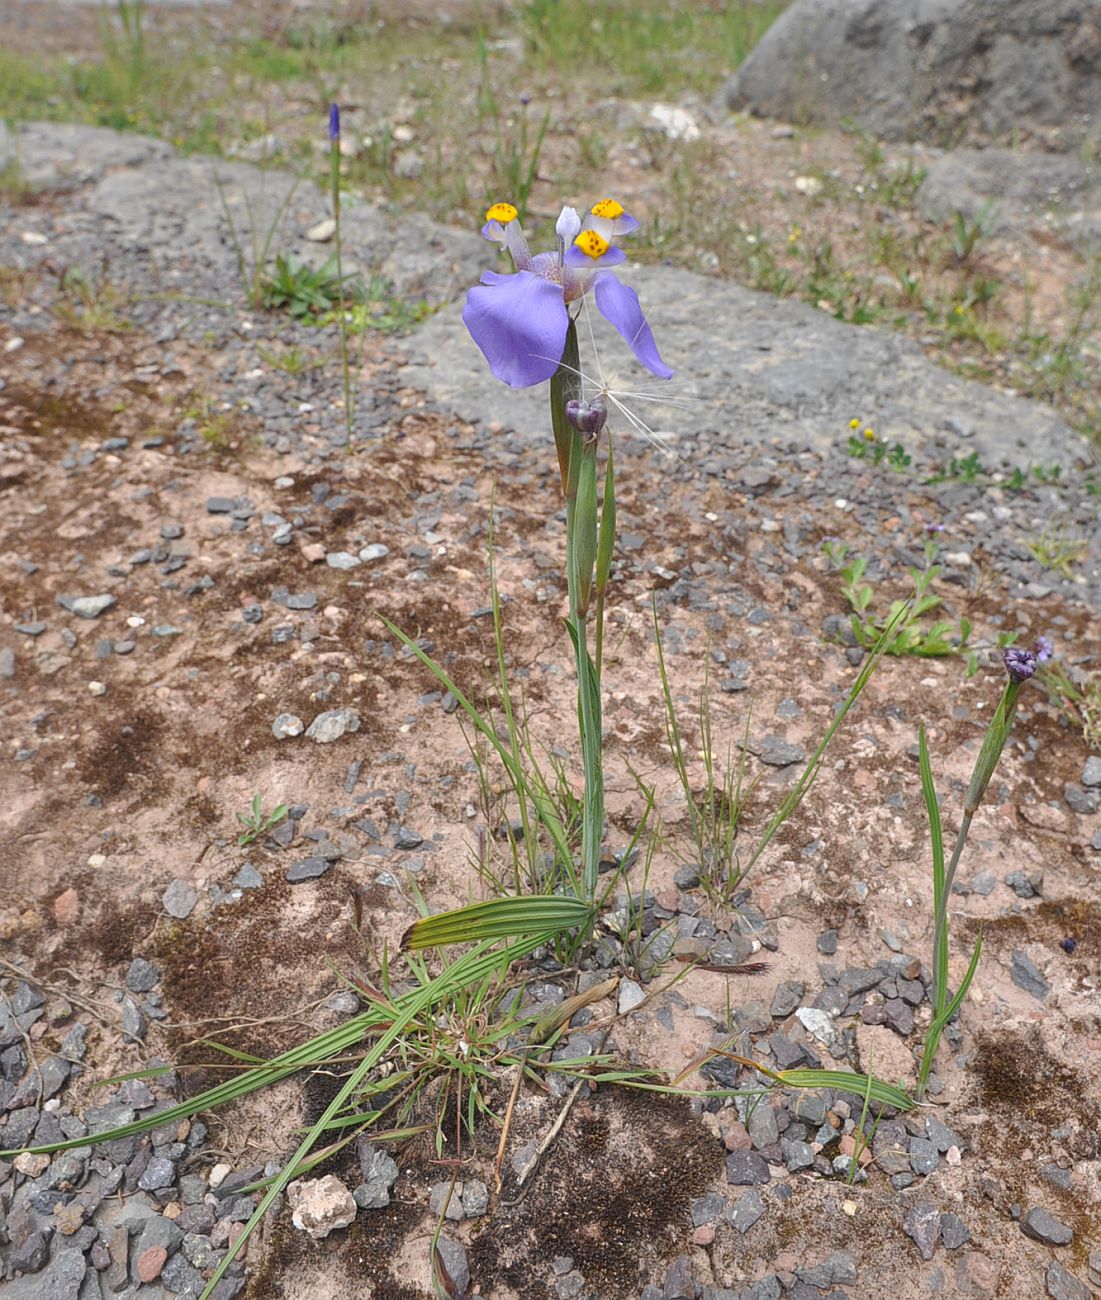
{"points": [[939, 70]]}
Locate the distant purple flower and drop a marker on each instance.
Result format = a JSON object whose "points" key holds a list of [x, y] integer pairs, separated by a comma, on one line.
{"points": [[1068, 945], [1044, 648], [334, 122], [934, 528], [520, 321], [1019, 664]]}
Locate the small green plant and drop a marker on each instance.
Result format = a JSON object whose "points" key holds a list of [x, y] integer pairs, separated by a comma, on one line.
{"points": [[91, 303], [379, 310], [966, 234], [257, 822], [1077, 696], [715, 812], [910, 636], [307, 292], [292, 360], [1056, 550], [865, 447]]}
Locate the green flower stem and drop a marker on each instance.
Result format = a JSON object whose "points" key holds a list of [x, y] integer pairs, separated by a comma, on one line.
{"points": [[334, 183], [577, 465]]}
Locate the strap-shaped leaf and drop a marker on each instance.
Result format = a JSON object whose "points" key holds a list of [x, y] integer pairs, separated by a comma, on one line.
{"points": [[499, 918]]}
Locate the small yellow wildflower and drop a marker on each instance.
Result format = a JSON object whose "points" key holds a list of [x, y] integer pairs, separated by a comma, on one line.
{"points": [[854, 423], [869, 434]]}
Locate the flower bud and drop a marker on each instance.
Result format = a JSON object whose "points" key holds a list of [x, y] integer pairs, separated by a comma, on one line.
{"points": [[334, 122], [588, 418], [1019, 664]]}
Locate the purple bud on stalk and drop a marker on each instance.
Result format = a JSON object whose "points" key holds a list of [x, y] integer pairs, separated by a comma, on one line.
{"points": [[1068, 945], [334, 122], [1044, 649], [587, 417], [1019, 664]]}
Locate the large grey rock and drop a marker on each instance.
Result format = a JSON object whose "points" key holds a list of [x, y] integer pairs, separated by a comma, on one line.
{"points": [[1010, 191], [941, 70], [191, 214], [748, 365]]}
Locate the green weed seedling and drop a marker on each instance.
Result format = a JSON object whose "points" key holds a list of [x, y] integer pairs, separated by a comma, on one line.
{"points": [[257, 822], [91, 303], [1056, 550], [307, 292], [1077, 695], [966, 235], [910, 637]]}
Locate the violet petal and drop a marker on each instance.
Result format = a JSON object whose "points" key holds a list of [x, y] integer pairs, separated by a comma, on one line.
{"points": [[619, 304], [519, 321]]}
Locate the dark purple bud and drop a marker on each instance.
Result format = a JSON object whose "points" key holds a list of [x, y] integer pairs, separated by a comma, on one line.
{"points": [[1019, 664], [587, 417], [1068, 945], [1044, 649], [334, 122], [934, 528]]}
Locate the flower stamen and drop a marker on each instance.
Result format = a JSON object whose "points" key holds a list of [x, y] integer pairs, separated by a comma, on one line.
{"points": [[592, 244], [502, 212]]}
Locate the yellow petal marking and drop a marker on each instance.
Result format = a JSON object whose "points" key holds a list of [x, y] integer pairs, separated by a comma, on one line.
{"points": [[502, 212], [607, 208], [592, 244]]}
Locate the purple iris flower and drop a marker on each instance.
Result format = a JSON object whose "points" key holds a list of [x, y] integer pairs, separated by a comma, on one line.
{"points": [[1019, 664], [520, 320], [1044, 649], [334, 122]]}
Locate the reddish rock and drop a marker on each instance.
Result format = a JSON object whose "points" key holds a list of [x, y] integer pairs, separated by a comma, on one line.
{"points": [[150, 1263], [67, 907], [704, 1234]]}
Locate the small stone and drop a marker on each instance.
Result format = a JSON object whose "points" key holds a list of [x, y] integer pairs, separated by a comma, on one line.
{"points": [[706, 1209], [1091, 773], [322, 231], [453, 1258], [179, 899], [142, 976], [746, 1211], [308, 869], [343, 560], [922, 1226], [826, 943], [797, 1154], [379, 1172], [1026, 975], [923, 1156], [31, 1165], [941, 1136], [746, 1168], [1042, 1226], [475, 1198], [818, 1023], [787, 997], [376, 551], [777, 752], [220, 505], [953, 1231], [320, 1205], [1062, 1285], [330, 726], [1083, 802], [87, 606], [630, 995], [287, 725], [839, 1269], [150, 1262], [66, 908], [159, 1172]]}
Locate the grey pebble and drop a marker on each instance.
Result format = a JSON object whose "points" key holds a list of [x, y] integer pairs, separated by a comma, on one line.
{"points": [[706, 1209], [1062, 1285], [746, 1211], [308, 869], [475, 1198], [376, 551], [839, 1269], [777, 752], [142, 976], [286, 725], [248, 877], [331, 725], [745, 1168], [787, 997], [1091, 773], [343, 560], [1038, 1224], [923, 1156], [454, 1260], [826, 943], [87, 606], [1026, 975], [179, 899], [1084, 802], [922, 1225], [7, 662], [953, 1231]]}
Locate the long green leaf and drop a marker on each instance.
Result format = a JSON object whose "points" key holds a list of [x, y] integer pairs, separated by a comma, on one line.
{"points": [[887, 1094], [936, 838], [499, 918]]}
